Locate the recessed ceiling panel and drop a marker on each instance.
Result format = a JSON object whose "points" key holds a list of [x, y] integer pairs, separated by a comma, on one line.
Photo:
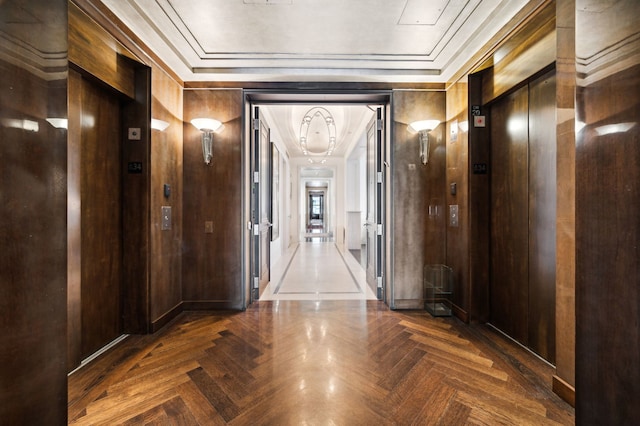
{"points": [[302, 40], [268, 2], [420, 12]]}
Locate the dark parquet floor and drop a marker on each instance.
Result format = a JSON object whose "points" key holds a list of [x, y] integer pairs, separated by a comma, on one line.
{"points": [[316, 363]]}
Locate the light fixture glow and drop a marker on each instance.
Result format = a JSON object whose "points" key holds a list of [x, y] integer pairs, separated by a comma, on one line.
{"points": [[159, 124], [614, 128], [17, 123], [423, 127], [207, 126], [58, 123], [428, 125], [204, 124]]}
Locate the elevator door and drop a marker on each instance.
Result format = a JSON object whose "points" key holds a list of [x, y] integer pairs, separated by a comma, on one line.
{"points": [[523, 193], [510, 214], [101, 221]]}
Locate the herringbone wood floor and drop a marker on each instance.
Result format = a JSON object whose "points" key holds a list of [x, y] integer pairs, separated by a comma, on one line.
{"points": [[316, 363]]}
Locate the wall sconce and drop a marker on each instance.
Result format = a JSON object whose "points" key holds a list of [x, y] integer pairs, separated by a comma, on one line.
{"points": [[159, 124], [207, 126], [58, 123], [423, 127]]}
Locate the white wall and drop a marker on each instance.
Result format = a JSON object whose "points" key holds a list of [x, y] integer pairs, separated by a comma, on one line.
{"points": [[356, 190]]}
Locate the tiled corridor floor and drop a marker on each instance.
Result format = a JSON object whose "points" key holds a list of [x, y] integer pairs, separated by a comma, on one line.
{"points": [[317, 270]]}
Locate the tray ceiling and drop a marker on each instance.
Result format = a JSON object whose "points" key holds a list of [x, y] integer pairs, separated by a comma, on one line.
{"points": [[311, 40]]}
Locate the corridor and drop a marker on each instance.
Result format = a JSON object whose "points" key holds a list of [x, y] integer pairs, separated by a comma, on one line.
{"points": [[316, 269]]}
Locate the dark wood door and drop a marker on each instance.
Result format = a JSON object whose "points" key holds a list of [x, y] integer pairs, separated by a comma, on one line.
{"points": [[523, 215], [510, 214], [101, 221], [542, 216]]}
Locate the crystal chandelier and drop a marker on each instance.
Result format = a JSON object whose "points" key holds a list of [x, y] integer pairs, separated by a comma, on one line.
{"points": [[323, 114]]}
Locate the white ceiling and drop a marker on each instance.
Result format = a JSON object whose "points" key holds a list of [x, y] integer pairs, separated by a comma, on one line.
{"points": [[418, 41], [285, 121], [314, 40]]}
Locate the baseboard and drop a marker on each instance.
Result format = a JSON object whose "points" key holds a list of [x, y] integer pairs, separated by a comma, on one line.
{"points": [[210, 305], [564, 390], [166, 318], [460, 313]]}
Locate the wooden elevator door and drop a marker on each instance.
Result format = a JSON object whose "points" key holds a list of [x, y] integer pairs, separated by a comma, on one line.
{"points": [[510, 214], [101, 218], [523, 203]]}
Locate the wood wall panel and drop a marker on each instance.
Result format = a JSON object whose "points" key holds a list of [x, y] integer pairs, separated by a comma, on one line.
{"points": [[458, 173], [542, 216], [479, 205], [212, 262], [33, 197], [418, 238], [101, 218], [74, 221], [510, 214], [98, 53], [525, 53], [166, 159], [564, 381], [607, 220], [136, 113]]}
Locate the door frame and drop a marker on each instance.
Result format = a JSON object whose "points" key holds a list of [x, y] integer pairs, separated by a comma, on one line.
{"points": [[381, 99]]}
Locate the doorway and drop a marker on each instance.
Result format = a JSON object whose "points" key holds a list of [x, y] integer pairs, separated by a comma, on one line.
{"points": [[316, 203], [316, 195], [315, 210]]}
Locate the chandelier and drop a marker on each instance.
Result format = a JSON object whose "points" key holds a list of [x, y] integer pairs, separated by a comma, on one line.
{"points": [[322, 114]]}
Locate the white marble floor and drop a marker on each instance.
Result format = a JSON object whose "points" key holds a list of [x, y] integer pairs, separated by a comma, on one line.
{"points": [[317, 270]]}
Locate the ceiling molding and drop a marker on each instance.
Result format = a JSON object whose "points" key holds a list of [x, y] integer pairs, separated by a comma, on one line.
{"points": [[397, 41]]}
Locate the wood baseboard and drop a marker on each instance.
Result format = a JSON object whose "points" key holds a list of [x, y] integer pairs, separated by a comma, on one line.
{"points": [[564, 390], [166, 318], [210, 305], [460, 313]]}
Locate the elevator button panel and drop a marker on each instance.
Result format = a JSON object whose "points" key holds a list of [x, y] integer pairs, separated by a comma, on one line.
{"points": [[453, 215], [166, 218]]}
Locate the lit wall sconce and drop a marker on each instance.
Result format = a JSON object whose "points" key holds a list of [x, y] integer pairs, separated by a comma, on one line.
{"points": [[58, 123], [207, 126], [423, 128], [159, 124]]}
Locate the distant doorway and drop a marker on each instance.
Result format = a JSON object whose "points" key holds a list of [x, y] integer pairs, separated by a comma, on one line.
{"points": [[316, 207], [315, 212]]}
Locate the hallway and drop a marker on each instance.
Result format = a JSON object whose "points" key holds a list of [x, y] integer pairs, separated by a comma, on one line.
{"points": [[316, 362], [316, 269]]}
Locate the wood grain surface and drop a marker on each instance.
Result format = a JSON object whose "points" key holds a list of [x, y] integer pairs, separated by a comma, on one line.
{"points": [[329, 362]]}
